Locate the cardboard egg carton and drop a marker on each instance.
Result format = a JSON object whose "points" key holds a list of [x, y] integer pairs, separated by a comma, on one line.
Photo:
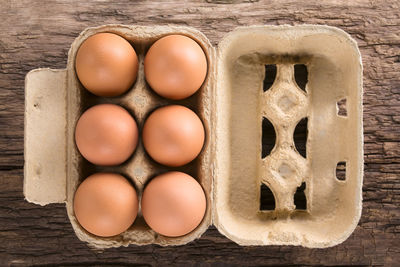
{"points": [[232, 104]]}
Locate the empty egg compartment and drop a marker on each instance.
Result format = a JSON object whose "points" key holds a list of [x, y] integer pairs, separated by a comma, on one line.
{"points": [[140, 101], [269, 189]]}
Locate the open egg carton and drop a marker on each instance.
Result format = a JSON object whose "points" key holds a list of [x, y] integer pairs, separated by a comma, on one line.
{"points": [[238, 96]]}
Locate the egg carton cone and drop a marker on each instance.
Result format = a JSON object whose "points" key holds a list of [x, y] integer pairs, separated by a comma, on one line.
{"points": [[232, 103]]}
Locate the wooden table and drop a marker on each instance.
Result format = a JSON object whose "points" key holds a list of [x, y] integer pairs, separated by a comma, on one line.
{"points": [[38, 34]]}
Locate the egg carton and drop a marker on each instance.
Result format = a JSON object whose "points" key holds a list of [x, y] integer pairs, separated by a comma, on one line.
{"points": [[232, 105]]}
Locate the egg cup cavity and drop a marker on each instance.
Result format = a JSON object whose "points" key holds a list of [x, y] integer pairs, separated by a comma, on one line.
{"points": [[140, 100], [231, 105]]}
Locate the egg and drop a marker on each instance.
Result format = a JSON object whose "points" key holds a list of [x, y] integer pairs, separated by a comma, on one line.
{"points": [[173, 204], [106, 64], [106, 134], [173, 135], [175, 66], [105, 204]]}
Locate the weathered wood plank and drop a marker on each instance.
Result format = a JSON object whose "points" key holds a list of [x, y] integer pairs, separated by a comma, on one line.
{"points": [[38, 34]]}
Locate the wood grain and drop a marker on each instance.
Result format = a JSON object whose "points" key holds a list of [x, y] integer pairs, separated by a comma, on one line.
{"points": [[38, 34]]}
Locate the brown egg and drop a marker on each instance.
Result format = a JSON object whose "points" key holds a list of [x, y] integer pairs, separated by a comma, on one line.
{"points": [[175, 66], [106, 64], [105, 204], [106, 134], [173, 204], [173, 135]]}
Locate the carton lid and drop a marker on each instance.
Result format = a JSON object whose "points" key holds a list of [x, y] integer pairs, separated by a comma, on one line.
{"points": [[335, 73]]}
